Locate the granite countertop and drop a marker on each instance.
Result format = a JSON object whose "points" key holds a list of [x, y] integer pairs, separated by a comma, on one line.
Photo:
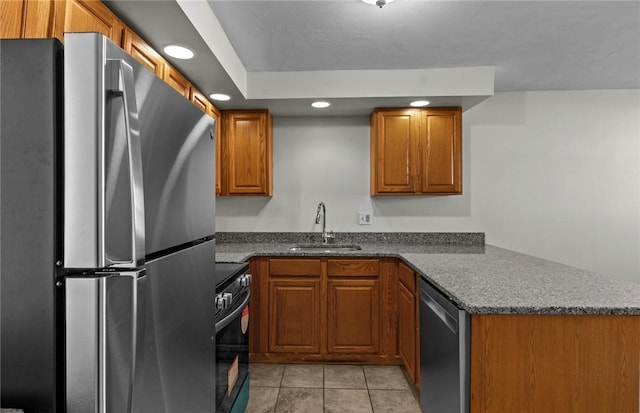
{"points": [[483, 279]]}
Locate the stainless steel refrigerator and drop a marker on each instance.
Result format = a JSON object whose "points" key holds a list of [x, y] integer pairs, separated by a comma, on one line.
{"points": [[107, 234]]}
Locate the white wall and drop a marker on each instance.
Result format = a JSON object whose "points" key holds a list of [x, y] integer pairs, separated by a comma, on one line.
{"points": [[553, 174]]}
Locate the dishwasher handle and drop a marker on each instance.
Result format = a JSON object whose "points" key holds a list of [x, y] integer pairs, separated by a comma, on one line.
{"points": [[450, 321]]}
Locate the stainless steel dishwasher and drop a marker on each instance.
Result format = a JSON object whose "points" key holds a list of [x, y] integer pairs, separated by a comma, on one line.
{"points": [[444, 353]]}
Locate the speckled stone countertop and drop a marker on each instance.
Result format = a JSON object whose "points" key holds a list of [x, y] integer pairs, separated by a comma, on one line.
{"points": [[482, 279]]}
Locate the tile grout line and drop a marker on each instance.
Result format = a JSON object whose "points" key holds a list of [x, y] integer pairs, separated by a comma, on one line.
{"points": [[275, 406], [324, 393], [366, 382]]}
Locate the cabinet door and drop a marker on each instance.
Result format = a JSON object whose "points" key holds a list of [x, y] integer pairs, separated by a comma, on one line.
{"points": [[394, 141], [11, 12], [92, 16], [215, 114], [177, 81], [248, 155], [143, 53], [440, 149], [294, 315], [199, 100], [407, 330], [31, 19], [353, 315]]}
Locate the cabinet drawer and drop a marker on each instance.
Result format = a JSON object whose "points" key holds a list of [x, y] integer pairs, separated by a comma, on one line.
{"points": [[353, 267], [407, 277], [296, 267]]}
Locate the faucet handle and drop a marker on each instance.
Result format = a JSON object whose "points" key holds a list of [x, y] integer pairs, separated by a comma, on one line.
{"points": [[330, 237]]}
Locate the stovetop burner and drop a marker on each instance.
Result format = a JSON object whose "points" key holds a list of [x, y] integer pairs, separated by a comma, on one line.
{"points": [[226, 271]]}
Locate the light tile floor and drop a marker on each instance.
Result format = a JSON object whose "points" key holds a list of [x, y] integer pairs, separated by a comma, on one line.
{"points": [[305, 388]]}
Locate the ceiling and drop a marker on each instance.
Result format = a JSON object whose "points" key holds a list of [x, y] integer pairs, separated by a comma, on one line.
{"points": [[284, 54]]}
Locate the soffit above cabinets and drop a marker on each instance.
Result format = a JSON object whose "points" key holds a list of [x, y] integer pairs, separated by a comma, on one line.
{"points": [[282, 55]]}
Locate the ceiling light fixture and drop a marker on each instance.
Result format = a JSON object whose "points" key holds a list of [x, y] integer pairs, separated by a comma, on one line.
{"points": [[419, 103], [179, 52], [220, 96], [320, 105], [378, 3]]}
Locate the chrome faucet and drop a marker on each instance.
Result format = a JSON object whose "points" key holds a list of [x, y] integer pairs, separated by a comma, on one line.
{"points": [[326, 236]]}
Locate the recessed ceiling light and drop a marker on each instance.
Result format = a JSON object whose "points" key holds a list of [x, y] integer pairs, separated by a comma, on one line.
{"points": [[320, 105], [419, 103], [219, 96], [378, 3], [179, 52]]}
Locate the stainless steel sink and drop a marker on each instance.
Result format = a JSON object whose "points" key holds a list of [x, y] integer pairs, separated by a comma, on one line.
{"points": [[324, 248]]}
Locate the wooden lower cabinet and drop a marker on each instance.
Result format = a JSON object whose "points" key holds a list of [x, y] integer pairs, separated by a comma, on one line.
{"points": [[353, 316], [408, 325], [294, 315], [555, 363], [323, 310], [408, 333]]}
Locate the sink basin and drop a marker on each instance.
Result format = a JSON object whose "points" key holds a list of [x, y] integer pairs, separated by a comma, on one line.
{"points": [[324, 248]]}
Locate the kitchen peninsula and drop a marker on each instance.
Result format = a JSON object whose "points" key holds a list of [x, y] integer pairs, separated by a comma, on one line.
{"points": [[544, 336]]}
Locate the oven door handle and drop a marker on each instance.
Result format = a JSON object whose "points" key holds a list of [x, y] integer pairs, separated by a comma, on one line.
{"points": [[227, 320]]}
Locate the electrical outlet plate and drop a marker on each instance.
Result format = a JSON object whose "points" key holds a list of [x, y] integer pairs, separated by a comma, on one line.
{"points": [[364, 218]]}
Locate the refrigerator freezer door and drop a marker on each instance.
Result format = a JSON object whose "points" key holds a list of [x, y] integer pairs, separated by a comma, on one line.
{"points": [[103, 194], [177, 149], [105, 325], [178, 158], [179, 351]]}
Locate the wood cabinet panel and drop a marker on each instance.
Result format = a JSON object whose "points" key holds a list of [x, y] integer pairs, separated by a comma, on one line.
{"points": [[199, 100], [259, 306], [177, 81], [92, 16], [407, 277], [215, 114], [353, 310], [408, 332], [416, 151], [31, 19], [555, 363], [294, 315], [352, 268], [389, 308], [12, 16], [294, 267], [143, 53], [247, 147], [394, 142], [440, 140], [355, 319]]}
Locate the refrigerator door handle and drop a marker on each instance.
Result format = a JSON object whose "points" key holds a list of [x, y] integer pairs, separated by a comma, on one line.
{"points": [[105, 324], [120, 83]]}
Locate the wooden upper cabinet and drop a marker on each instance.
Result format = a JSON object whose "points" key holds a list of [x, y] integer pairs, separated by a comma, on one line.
{"points": [[394, 145], [200, 101], [49, 18], [143, 53], [29, 19], [92, 16], [177, 81], [215, 114], [247, 156], [11, 12], [416, 151], [440, 147]]}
